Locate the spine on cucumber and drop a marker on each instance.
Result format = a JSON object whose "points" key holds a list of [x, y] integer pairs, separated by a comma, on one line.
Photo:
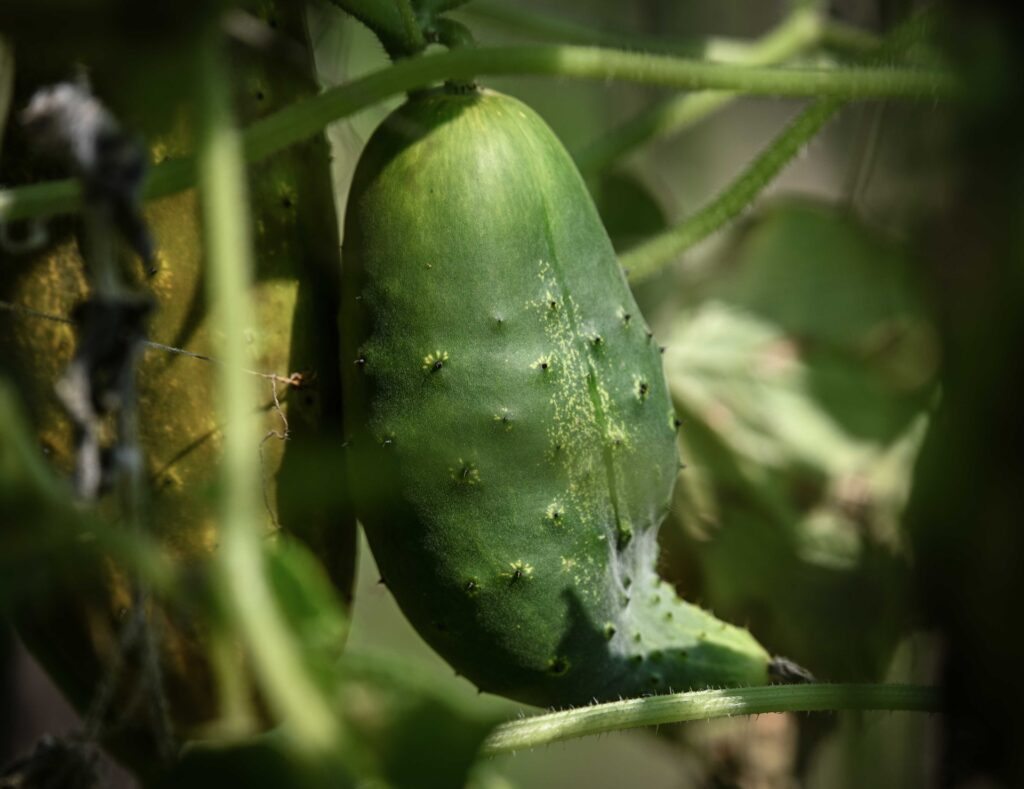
{"points": [[511, 437]]}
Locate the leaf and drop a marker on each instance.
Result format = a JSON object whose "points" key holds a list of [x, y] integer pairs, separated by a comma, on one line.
{"points": [[417, 730], [629, 209], [310, 606], [802, 378], [44, 536], [402, 729], [632, 213]]}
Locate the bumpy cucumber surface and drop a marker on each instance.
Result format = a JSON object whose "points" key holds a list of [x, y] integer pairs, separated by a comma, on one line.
{"points": [[511, 437]]}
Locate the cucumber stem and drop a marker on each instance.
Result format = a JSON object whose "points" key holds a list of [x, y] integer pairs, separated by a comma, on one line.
{"points": [[704, 705]]}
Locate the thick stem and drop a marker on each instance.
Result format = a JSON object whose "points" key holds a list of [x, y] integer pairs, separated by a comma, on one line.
{"points": [[309, 116], [229, 265], [647, 258], [704, 705]]}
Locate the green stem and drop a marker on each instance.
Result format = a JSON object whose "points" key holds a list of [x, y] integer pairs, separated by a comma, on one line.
{"points": [[704, 705], [647, 258], [307, 117], [229, 267], [800, 30], [414, 40]]}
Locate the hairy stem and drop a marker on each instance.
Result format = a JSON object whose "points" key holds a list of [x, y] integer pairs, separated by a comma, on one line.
{"points": [[704, 705], [800, 30], [307, 117], [229, 265], [665, 247], [647, 258]]}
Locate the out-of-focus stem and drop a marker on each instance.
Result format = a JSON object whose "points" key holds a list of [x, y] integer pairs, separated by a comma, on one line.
{"points": [[229, 265]]}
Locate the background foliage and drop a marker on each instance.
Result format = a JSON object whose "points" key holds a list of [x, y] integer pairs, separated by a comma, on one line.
{"points": [[839, 356]]}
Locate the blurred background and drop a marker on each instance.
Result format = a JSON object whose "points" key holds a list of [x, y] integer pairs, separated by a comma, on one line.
{"points": [[842, 359]]}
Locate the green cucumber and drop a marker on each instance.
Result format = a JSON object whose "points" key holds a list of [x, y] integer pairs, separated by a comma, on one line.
{"points": [[72, 623], [512, 443]]}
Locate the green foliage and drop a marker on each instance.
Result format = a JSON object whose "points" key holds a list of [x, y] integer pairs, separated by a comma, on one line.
{"points": [[512, 435], [402, 734], [801, 374], [44, 536], [310, 607], [629, 210]]}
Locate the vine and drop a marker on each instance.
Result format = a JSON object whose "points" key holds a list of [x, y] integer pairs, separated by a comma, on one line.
{"points": [[307, 117], [223, 197], [704, 705], [650, 256]]}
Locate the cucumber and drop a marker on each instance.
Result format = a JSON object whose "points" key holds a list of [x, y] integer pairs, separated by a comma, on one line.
{"points": [[72, 623], [511, 441]]}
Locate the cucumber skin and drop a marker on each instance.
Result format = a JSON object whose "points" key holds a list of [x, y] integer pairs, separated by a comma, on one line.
{"points": [[511, 507]]}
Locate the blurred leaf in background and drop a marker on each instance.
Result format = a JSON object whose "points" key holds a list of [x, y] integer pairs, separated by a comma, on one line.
{"points": [[403, 730], [801, 373]]}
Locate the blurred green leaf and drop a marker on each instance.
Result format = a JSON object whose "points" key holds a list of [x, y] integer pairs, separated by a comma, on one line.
{"points": [[631, 214], [311, 608], [44, 536], [802, 374], [404, 729], [417, 731], [629, 209]]}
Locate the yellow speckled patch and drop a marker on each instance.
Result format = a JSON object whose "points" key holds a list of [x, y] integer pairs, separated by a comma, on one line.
{"points": [[577, 397], [432, 360]]}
